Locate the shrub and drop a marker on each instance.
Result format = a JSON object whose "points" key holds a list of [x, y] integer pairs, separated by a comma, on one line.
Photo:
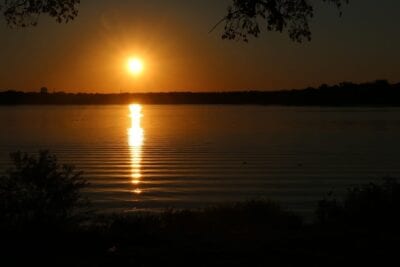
{"points": [[38, 190], [369, 205]]}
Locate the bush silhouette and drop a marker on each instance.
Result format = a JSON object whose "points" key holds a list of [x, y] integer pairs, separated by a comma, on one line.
{"points": [[369, 206], [37, 190]]}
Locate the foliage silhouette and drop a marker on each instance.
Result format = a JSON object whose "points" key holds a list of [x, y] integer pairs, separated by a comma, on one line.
{"points": [[23, 13], [243, 17], [246, 17], [371, 205], [39, 191]]}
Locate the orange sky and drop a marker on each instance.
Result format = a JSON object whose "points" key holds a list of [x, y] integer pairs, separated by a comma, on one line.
{"points": [[179, 54]]}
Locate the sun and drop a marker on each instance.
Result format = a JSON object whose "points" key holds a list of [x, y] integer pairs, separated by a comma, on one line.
{"points": [[135, 66]]}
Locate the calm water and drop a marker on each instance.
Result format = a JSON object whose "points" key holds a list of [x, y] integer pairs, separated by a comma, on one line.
{"points": [[153, 157]]}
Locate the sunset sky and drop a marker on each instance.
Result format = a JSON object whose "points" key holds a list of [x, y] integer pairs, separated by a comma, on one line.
{"points": [[173, 41]]}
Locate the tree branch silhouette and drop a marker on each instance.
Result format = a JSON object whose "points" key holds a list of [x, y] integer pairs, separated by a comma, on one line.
{"points": [[244, 18], [24, 13]]}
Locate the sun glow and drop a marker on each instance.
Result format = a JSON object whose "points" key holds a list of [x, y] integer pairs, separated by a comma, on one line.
{"points": [[135, 66], [135, 141]]}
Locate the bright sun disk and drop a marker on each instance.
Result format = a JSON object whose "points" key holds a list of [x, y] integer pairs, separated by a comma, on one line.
{"points": [[135, 66]]}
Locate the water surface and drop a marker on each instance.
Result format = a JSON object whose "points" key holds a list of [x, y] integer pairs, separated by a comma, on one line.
{"points": [[154, 157]]}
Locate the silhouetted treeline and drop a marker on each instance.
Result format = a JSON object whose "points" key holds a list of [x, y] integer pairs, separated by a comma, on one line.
{"points": [[378, 93]]}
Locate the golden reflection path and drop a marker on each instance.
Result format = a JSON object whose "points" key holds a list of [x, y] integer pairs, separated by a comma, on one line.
{"points": [[135, 141]]}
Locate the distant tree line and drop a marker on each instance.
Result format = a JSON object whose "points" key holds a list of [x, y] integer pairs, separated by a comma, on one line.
{"points": [[377, 93]]}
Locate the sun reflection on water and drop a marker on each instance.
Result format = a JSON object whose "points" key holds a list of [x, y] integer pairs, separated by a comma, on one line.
{"points": [[135, 141]]}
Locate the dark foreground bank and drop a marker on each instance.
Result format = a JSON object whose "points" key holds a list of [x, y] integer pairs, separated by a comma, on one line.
{"points": [[247, 234], [45, 221]]}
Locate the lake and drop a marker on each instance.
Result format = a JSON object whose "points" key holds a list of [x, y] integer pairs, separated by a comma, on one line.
{"points": [[155, 157]]}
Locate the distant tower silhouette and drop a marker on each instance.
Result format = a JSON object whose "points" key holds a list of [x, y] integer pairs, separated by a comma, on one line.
{"points": [[44, 90]]}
